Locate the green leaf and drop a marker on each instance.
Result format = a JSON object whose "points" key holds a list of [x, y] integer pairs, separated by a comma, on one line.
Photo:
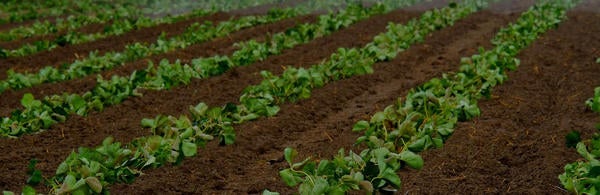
{"points": [[572, 139], [29, 101], [418, 145], [35, 176], [378, 117], [289, 178], [380, 154], [360, 125], [28, 190], [267, 192], [272, 110], [189, 148], [392, 178], [598, 60], [412, 160], [77, 102], [148, 123], [289, 154], [10, 193], [321, 186], [582, 150], [228, 135]]}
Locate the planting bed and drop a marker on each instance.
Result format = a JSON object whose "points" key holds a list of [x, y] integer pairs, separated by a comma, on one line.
{"points": [[516, 145]]}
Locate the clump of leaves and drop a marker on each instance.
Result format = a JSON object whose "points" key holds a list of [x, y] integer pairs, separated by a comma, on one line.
{"points": [[573, 138], [35, 175], [583, 177], [594, 102]]}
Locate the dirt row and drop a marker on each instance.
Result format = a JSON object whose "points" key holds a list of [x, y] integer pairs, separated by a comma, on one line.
{"points": [[517, 146], [318, 126], [122, 121]]}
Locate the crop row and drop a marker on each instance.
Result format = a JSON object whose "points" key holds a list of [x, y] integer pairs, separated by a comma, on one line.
{"points": [[110, 12], [124, 19], [41, 114], [426, 117], [176, 138], [94, 63], [195, 33], [18, 11], [583, 177]]}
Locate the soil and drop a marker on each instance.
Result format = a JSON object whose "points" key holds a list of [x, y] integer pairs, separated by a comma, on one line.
{"points": [[515, 146]]}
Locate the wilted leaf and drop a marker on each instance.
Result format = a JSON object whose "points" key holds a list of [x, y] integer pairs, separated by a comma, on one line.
{"points": [[94, 184]]}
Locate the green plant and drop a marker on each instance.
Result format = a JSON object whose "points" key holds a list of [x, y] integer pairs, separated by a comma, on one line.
{"points": [[426, 117]]}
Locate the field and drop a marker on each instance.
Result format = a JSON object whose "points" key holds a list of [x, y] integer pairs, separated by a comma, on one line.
{"points": [[505, 137]]}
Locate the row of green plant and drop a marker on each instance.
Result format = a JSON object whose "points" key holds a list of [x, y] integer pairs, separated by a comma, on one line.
{"points": [[94, 63], [14, 11], [41, 114], [425, 118], [123, 20], [194, 34], [72, 21], [175, 138], [583, 176]]}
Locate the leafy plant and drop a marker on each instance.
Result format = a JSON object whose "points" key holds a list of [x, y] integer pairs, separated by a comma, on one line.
{"points": [[582, 177], [426, 117], [167, 75], [175, 138]]}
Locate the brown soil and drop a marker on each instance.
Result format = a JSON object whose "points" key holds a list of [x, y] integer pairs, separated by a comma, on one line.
{"points": [[516, 146]]}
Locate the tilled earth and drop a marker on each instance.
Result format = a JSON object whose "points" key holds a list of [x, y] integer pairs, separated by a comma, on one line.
{"points": [[515, 146]]}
